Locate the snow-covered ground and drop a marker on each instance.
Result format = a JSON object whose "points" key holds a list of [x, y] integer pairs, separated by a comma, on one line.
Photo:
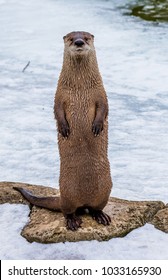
{"points": [[133, 60]]}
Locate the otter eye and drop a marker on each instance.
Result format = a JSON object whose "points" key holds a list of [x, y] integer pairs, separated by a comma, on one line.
{"points": [[87, 40], [71, 39]]}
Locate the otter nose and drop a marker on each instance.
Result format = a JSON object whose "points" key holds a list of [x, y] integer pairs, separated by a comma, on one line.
{"points": [[79, 42]]}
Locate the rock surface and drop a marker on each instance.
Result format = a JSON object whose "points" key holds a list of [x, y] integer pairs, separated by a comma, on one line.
{"points": [[160, 220], [48, 226]]}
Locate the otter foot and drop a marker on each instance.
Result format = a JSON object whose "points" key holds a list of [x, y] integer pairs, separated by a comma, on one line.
{"points": [[72, 222], [100, 217]]}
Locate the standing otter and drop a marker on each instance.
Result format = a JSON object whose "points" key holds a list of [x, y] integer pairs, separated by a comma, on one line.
{"points": [[81, 110]]}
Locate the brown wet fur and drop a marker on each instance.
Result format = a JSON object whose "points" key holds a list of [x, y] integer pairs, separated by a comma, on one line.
{"points": [[81, 110], [52, 202]]}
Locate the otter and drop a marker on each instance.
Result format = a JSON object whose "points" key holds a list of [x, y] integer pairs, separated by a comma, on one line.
{"points": [[81, 113]]}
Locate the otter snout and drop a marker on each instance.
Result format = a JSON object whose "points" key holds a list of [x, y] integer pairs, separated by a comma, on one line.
{"points": [[79, 42]]}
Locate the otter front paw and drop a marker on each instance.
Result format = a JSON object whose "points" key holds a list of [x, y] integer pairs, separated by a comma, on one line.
{"points": [[64, 129], [97, 127]]}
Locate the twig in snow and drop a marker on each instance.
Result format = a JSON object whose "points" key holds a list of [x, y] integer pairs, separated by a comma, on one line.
{"points": [[26, 66]]}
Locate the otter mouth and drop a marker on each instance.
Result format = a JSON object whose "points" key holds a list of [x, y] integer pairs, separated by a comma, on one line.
{"points": [[79, 49]]}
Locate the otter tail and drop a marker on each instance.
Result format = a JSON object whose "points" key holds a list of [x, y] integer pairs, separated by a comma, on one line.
{"points": [[50, 202]]}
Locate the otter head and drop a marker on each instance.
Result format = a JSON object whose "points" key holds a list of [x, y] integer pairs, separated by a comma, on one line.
{"points": [[79, 43]]}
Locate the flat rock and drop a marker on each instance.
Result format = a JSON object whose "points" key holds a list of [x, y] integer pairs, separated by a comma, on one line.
{"points": [[47, 226], [160, 220]]}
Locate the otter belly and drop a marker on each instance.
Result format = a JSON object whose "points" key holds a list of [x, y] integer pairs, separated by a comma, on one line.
{"points": [[84, 171]]}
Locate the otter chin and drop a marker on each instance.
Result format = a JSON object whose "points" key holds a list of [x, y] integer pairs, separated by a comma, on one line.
{"points": [[81, 113]]}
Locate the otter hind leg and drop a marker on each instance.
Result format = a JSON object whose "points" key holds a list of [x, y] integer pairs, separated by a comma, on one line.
{"points": [[73, 222], [100, 217]]}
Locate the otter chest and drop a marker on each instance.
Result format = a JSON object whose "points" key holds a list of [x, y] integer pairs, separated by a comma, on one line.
{"points": [[80, 107]]}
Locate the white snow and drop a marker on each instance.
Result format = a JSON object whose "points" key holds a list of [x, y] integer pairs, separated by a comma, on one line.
{"points": [[133, 58]]}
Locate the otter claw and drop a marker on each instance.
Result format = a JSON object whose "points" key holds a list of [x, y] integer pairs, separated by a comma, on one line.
{"points": [[64, 130], [73, 222], [97, 128], [101, 217]]}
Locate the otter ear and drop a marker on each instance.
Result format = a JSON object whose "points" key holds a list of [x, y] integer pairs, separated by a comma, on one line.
{"points": [[92, 36], [64, 37]]}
